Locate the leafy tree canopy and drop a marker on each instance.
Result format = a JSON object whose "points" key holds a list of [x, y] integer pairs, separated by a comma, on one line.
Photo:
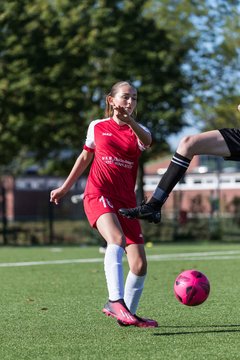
{"points": [[59, 59]]}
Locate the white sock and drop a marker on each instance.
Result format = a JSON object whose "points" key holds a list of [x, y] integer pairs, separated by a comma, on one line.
{"points": [[114, 271], [133, 291]]}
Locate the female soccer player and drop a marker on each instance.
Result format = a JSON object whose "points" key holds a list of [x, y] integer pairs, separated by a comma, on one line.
{"points": [[115, 144], [223, 142]]}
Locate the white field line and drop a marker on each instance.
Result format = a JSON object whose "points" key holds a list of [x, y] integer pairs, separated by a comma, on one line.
{"points": [[52, 262], [211, 255]]}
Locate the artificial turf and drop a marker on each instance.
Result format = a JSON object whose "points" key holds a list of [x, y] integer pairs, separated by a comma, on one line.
{"points": [[53, 311]]}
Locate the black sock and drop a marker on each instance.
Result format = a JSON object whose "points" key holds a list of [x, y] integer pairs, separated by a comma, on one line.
{"points": [[175, 171]]}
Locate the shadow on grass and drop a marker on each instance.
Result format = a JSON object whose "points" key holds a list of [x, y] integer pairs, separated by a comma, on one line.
{"points": [[206, 329]]}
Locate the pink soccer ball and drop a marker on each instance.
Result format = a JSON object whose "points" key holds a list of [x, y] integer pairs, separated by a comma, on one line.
{"points": [[191, 287]]}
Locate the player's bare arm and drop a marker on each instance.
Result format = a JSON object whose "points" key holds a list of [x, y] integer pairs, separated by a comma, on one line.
{"points": [[79, 167]]}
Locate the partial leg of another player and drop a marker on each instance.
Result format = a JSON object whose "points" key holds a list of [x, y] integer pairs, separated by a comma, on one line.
{"points": [[208, 143]]}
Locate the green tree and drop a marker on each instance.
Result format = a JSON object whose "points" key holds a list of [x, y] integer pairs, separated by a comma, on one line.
{"points": [[58, 61], [42, 73], [214, 63]]}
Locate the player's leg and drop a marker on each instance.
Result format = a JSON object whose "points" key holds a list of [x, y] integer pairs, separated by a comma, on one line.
{"points": [[135, 282], [210, 142], [136, 276], [206, 143], [109, 227]]}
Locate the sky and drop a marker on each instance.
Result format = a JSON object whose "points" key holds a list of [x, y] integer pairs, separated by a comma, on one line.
{"points": [[173, 140]]}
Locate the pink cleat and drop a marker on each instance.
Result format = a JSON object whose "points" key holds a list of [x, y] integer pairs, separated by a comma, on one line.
{"points": [[118, 310], [142, 322]]}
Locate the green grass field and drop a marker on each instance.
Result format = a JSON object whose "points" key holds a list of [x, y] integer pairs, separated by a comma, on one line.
{"points": [[52, 310]]}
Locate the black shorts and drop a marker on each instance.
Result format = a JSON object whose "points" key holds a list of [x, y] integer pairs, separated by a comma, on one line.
{"points": [[232, 138]]}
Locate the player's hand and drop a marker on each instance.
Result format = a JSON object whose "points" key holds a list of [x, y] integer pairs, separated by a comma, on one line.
{"points": [[56, 195], [123, 115]]}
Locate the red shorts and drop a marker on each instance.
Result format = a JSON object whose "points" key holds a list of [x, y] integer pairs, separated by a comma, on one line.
{"points": [[96, 206]]}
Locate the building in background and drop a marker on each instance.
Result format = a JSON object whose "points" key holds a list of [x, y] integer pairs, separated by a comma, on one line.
{"points": [[27, 198], [211, 185]]}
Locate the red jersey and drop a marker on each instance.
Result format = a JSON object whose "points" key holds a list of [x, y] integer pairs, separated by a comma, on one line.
{"points": [[116, 150]]}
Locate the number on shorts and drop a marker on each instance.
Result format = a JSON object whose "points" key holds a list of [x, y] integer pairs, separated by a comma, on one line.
{"points": [[105, 202]]}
